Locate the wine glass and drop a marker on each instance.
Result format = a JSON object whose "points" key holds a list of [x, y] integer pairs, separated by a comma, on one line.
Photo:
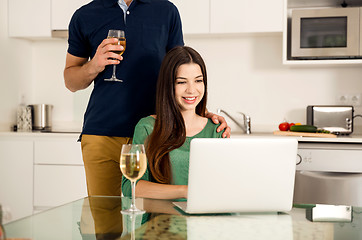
{"points": [[120, 35], [133, 165]]}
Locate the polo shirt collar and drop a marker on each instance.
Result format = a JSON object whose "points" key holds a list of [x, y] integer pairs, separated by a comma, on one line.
{"points": [[111, 3]]}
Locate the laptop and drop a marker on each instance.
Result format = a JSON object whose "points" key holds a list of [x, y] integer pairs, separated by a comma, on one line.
{"points": [[250, 174]]}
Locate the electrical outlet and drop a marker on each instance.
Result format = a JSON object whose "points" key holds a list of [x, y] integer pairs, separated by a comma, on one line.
{"points": [[343, 99], [355, 99]]}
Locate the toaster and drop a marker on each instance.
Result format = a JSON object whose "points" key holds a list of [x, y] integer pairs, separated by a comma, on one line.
{"points": [[337, 119]]}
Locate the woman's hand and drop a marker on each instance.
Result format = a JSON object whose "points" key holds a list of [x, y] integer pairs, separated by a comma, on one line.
{"points": [[219, 119]]}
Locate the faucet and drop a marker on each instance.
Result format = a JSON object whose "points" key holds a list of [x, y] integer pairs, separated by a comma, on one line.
{"points": [[246, 127]]}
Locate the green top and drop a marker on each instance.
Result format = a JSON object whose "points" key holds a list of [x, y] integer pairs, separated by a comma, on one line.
{"points": [[179, 157]]}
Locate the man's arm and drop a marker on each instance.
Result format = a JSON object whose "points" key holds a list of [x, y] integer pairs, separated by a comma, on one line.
{"points": [[79, 72]]}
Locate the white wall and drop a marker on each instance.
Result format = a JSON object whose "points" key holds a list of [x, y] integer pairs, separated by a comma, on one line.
{"points": [[15, 71], [245, 74], [48, 86]]}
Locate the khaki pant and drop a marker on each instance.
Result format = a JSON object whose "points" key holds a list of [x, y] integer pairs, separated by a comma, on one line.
{"points": [[101, 162]]}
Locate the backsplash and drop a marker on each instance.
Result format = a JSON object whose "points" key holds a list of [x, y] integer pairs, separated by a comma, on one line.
{"points": [[245, 74]]}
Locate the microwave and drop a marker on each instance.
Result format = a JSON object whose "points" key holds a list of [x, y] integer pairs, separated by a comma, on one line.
{"points": [[326, 33]]}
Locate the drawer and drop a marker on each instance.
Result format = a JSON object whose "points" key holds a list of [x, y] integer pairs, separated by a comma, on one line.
{"points": [[57, 185], [64, 151]]}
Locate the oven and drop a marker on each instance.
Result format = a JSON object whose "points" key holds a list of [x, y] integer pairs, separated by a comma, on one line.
{"points": [[329, 173]]}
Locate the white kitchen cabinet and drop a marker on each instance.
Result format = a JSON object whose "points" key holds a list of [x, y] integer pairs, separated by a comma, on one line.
{"points": [[29, 18], [16, 178], [244, 16], [39, 171], [59, 175], [62, 11], [38, 18], [58, 151], [195, 15], [42, 18], [55, 185]]}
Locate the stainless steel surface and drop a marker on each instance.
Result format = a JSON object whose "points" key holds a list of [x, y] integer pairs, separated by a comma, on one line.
{"points": [[328, 188], [335, 118], [42, 116], [246, 126]]}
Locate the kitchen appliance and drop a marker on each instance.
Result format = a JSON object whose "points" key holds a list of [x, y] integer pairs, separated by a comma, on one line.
{"points": [[42, 116], [337, 119], [329, 172], [318, 33]]}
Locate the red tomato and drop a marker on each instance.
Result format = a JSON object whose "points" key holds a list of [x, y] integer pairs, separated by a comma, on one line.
{"points": [[284, 126], [291, 124]]}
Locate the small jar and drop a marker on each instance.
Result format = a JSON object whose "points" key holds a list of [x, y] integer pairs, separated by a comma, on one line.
{"points": [[24, 123]]}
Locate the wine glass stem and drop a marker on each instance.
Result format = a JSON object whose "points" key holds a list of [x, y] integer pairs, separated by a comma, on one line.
{"points": [[133, 205], [114, 71], [133, 227]]}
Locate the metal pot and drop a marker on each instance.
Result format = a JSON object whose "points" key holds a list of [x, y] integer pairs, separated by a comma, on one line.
{"points": [[42, 116]]}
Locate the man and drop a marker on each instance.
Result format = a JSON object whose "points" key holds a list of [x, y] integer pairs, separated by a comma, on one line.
{"points": [[152, 28]]}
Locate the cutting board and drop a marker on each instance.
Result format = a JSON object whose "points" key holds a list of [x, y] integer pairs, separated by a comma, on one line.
{"points": [[304, 134]]}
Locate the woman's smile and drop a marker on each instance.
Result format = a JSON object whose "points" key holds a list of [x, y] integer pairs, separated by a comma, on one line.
{"points": [[190, 100]]}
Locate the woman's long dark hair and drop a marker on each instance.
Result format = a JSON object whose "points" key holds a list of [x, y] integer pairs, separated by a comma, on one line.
{"points": [[169, 132]]}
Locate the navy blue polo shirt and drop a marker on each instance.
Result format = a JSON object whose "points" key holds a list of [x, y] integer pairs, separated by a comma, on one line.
{"points": [[152, 28]]}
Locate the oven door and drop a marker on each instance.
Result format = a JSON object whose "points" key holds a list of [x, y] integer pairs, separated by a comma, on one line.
{"points": [[325, 33]]}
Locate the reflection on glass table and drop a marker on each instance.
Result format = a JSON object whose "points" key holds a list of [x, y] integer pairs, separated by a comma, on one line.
{"points": [[101, 218]]}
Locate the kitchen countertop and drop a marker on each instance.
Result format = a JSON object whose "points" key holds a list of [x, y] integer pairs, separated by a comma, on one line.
{"points": [[40, 134], [353, 138]]}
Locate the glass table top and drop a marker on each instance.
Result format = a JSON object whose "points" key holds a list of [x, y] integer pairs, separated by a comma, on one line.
{"points": [[100, 218]]}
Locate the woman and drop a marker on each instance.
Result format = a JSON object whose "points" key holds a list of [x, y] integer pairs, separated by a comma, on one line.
{"points": [[180, 117]]}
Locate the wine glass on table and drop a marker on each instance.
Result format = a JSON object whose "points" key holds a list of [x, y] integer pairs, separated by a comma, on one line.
{"points": [[120, 35], [133, 165]]}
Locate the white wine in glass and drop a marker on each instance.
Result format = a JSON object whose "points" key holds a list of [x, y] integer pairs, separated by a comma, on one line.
{"points": [[120, 35], [133, 165]]}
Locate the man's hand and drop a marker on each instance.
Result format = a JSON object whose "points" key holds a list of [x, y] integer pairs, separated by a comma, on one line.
{"points": [[79, 73], [220, 119], [105, 56]]}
